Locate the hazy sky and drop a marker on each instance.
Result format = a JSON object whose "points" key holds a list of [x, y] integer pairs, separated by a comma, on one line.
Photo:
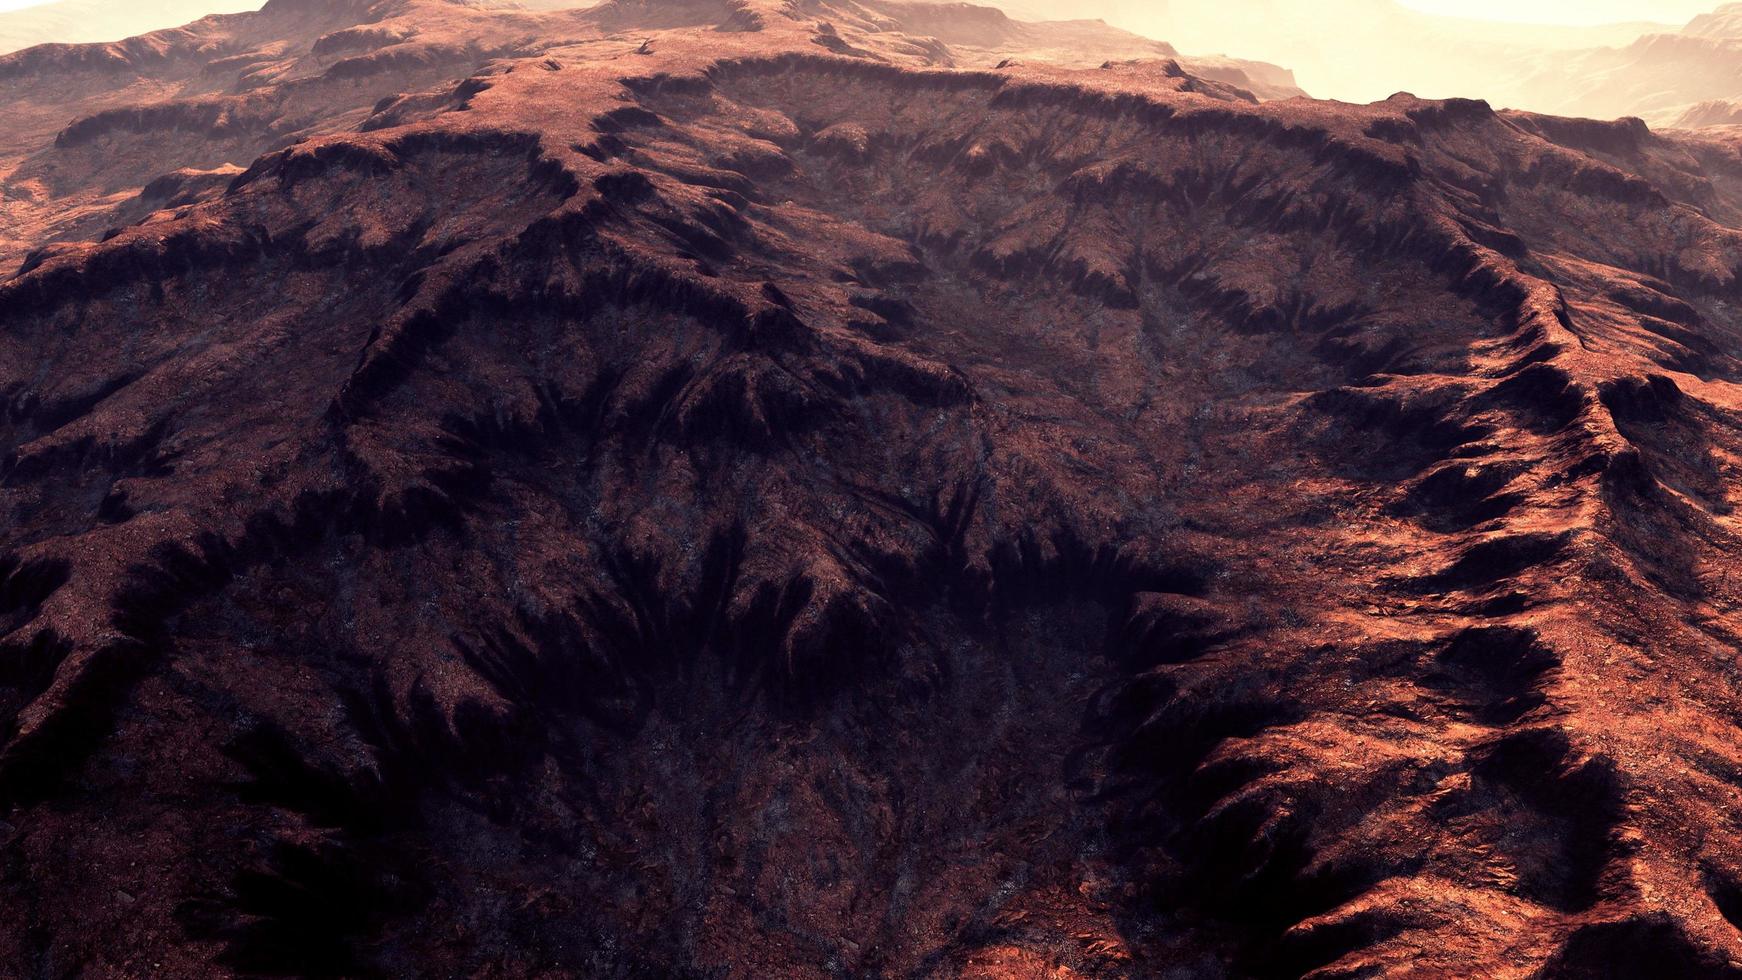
{"points": [[1569, 11], [135, 5]]}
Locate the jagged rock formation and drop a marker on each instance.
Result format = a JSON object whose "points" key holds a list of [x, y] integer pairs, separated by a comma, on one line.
{"points": [[720, 489]]}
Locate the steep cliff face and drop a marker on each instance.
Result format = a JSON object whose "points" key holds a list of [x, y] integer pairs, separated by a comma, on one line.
{"points": [[738, 494]]}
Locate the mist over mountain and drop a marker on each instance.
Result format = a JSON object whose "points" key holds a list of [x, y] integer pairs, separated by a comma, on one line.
{"points": [[81, 21], [1364, 50]]}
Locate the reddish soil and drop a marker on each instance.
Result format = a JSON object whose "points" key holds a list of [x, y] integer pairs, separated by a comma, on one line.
{"points": [[755, 489]]}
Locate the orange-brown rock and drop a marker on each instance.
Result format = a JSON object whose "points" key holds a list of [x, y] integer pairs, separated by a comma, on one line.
{"points": [[763, 489]]}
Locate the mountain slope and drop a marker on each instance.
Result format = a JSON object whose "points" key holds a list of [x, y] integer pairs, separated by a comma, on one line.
{"points": [[98, 136], [722, 489]]}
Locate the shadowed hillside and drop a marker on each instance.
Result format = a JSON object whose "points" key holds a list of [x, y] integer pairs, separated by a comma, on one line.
{"points": [[745, 488]]}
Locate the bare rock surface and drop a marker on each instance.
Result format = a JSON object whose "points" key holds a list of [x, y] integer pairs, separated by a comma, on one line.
{"points": [[793, 489]]}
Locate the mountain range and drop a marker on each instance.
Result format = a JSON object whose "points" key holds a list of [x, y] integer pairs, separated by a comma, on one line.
{"points": [[852, 488]]}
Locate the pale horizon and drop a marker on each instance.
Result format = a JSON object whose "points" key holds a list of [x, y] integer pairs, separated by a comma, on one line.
{"points": [[1366, 50], [1572, 12]]}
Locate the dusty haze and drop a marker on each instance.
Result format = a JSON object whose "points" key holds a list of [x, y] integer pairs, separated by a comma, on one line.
{"points": [[86, 21], [1352, 50], [1365, 50]]}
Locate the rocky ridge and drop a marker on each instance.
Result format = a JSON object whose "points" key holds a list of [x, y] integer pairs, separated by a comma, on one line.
{"points": [[749, 489]]}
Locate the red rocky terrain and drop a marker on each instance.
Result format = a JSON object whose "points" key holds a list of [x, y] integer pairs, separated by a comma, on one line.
{"points": [[760, 489]]}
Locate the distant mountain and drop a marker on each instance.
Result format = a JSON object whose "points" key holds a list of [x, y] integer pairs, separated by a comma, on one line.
{"points": [[85, 21], [1352, 50], [1691, 76], [1365, 50], [1724, 22]]}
